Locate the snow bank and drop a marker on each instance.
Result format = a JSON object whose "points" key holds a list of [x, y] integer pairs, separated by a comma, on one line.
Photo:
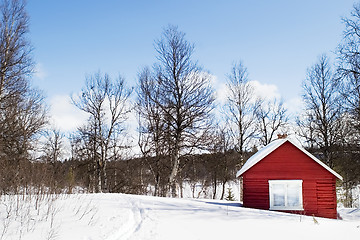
{"points": [[120, 216]]}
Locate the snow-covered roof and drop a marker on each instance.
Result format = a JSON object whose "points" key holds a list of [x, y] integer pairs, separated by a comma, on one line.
{"points": [[263, 152]]}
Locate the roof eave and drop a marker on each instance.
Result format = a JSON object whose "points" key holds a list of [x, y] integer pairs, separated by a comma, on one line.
{"points": [[243, 170]]}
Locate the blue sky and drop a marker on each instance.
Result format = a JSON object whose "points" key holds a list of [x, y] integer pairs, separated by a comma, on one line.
{"points": [[276, 40]]}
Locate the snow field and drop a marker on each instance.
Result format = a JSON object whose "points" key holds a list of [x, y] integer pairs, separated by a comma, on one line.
{"points": [[120, 216]]}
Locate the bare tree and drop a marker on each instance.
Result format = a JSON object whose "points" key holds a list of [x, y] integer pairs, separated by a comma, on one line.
{"points": [[15, 50], [221, 167], [241, 108], [348, 53], [349, 68], [320, 125], [271, 118], [182, 92], [53, 147], [152, 140], [349, 49], [22, 112], [107, 104], [52, 152]]}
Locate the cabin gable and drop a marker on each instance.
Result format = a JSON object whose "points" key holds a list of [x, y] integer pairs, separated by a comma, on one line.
{"points": [[288, 162]]}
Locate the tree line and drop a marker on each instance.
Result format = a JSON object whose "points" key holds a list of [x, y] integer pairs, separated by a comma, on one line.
{"points": [[180, 138]]}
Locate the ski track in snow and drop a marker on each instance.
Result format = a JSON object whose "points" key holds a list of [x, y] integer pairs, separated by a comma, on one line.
{"points": [[134, 223]]}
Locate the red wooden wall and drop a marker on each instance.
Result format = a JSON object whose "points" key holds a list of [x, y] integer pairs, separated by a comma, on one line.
{"points": [[286, 163]]}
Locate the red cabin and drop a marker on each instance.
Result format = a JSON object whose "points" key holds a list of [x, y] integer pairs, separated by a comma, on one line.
{"points": [[285, 177]]}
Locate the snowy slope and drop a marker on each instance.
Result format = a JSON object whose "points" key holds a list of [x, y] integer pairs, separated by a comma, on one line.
{"points": [[119, 216]]}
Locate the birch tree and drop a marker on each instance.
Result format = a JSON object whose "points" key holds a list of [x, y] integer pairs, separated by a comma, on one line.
{"points": [[241, 108], [152, 137], [22, 110], [348, 69], [271, 118], [181, 91], [323, 109], [107, 104]]}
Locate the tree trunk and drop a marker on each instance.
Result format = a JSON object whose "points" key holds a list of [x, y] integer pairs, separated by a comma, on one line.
{"points": [[98, 179], [215, 188], [174, 172], [157, 185], [223, 190]]}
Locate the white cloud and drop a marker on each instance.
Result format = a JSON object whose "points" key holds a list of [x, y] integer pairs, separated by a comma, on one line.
{"points": [[294, 105], [64, 114], [39, 71], [266, 91], [221, 91]]}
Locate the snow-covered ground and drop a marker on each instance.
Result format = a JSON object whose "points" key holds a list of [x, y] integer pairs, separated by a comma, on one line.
{"points": [[120, 216]]}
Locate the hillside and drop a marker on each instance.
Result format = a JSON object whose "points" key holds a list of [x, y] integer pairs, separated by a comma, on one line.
{"points": [[120, 216]]}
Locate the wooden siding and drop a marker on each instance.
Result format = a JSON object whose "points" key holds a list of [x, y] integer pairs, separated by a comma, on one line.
{"points": [[289, 163]]}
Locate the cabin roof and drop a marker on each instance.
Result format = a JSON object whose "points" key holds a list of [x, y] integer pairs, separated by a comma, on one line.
{"points": [[263, 152]]}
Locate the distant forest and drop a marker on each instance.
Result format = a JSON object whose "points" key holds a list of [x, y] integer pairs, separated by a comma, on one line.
{"points": [[180, 138]]}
